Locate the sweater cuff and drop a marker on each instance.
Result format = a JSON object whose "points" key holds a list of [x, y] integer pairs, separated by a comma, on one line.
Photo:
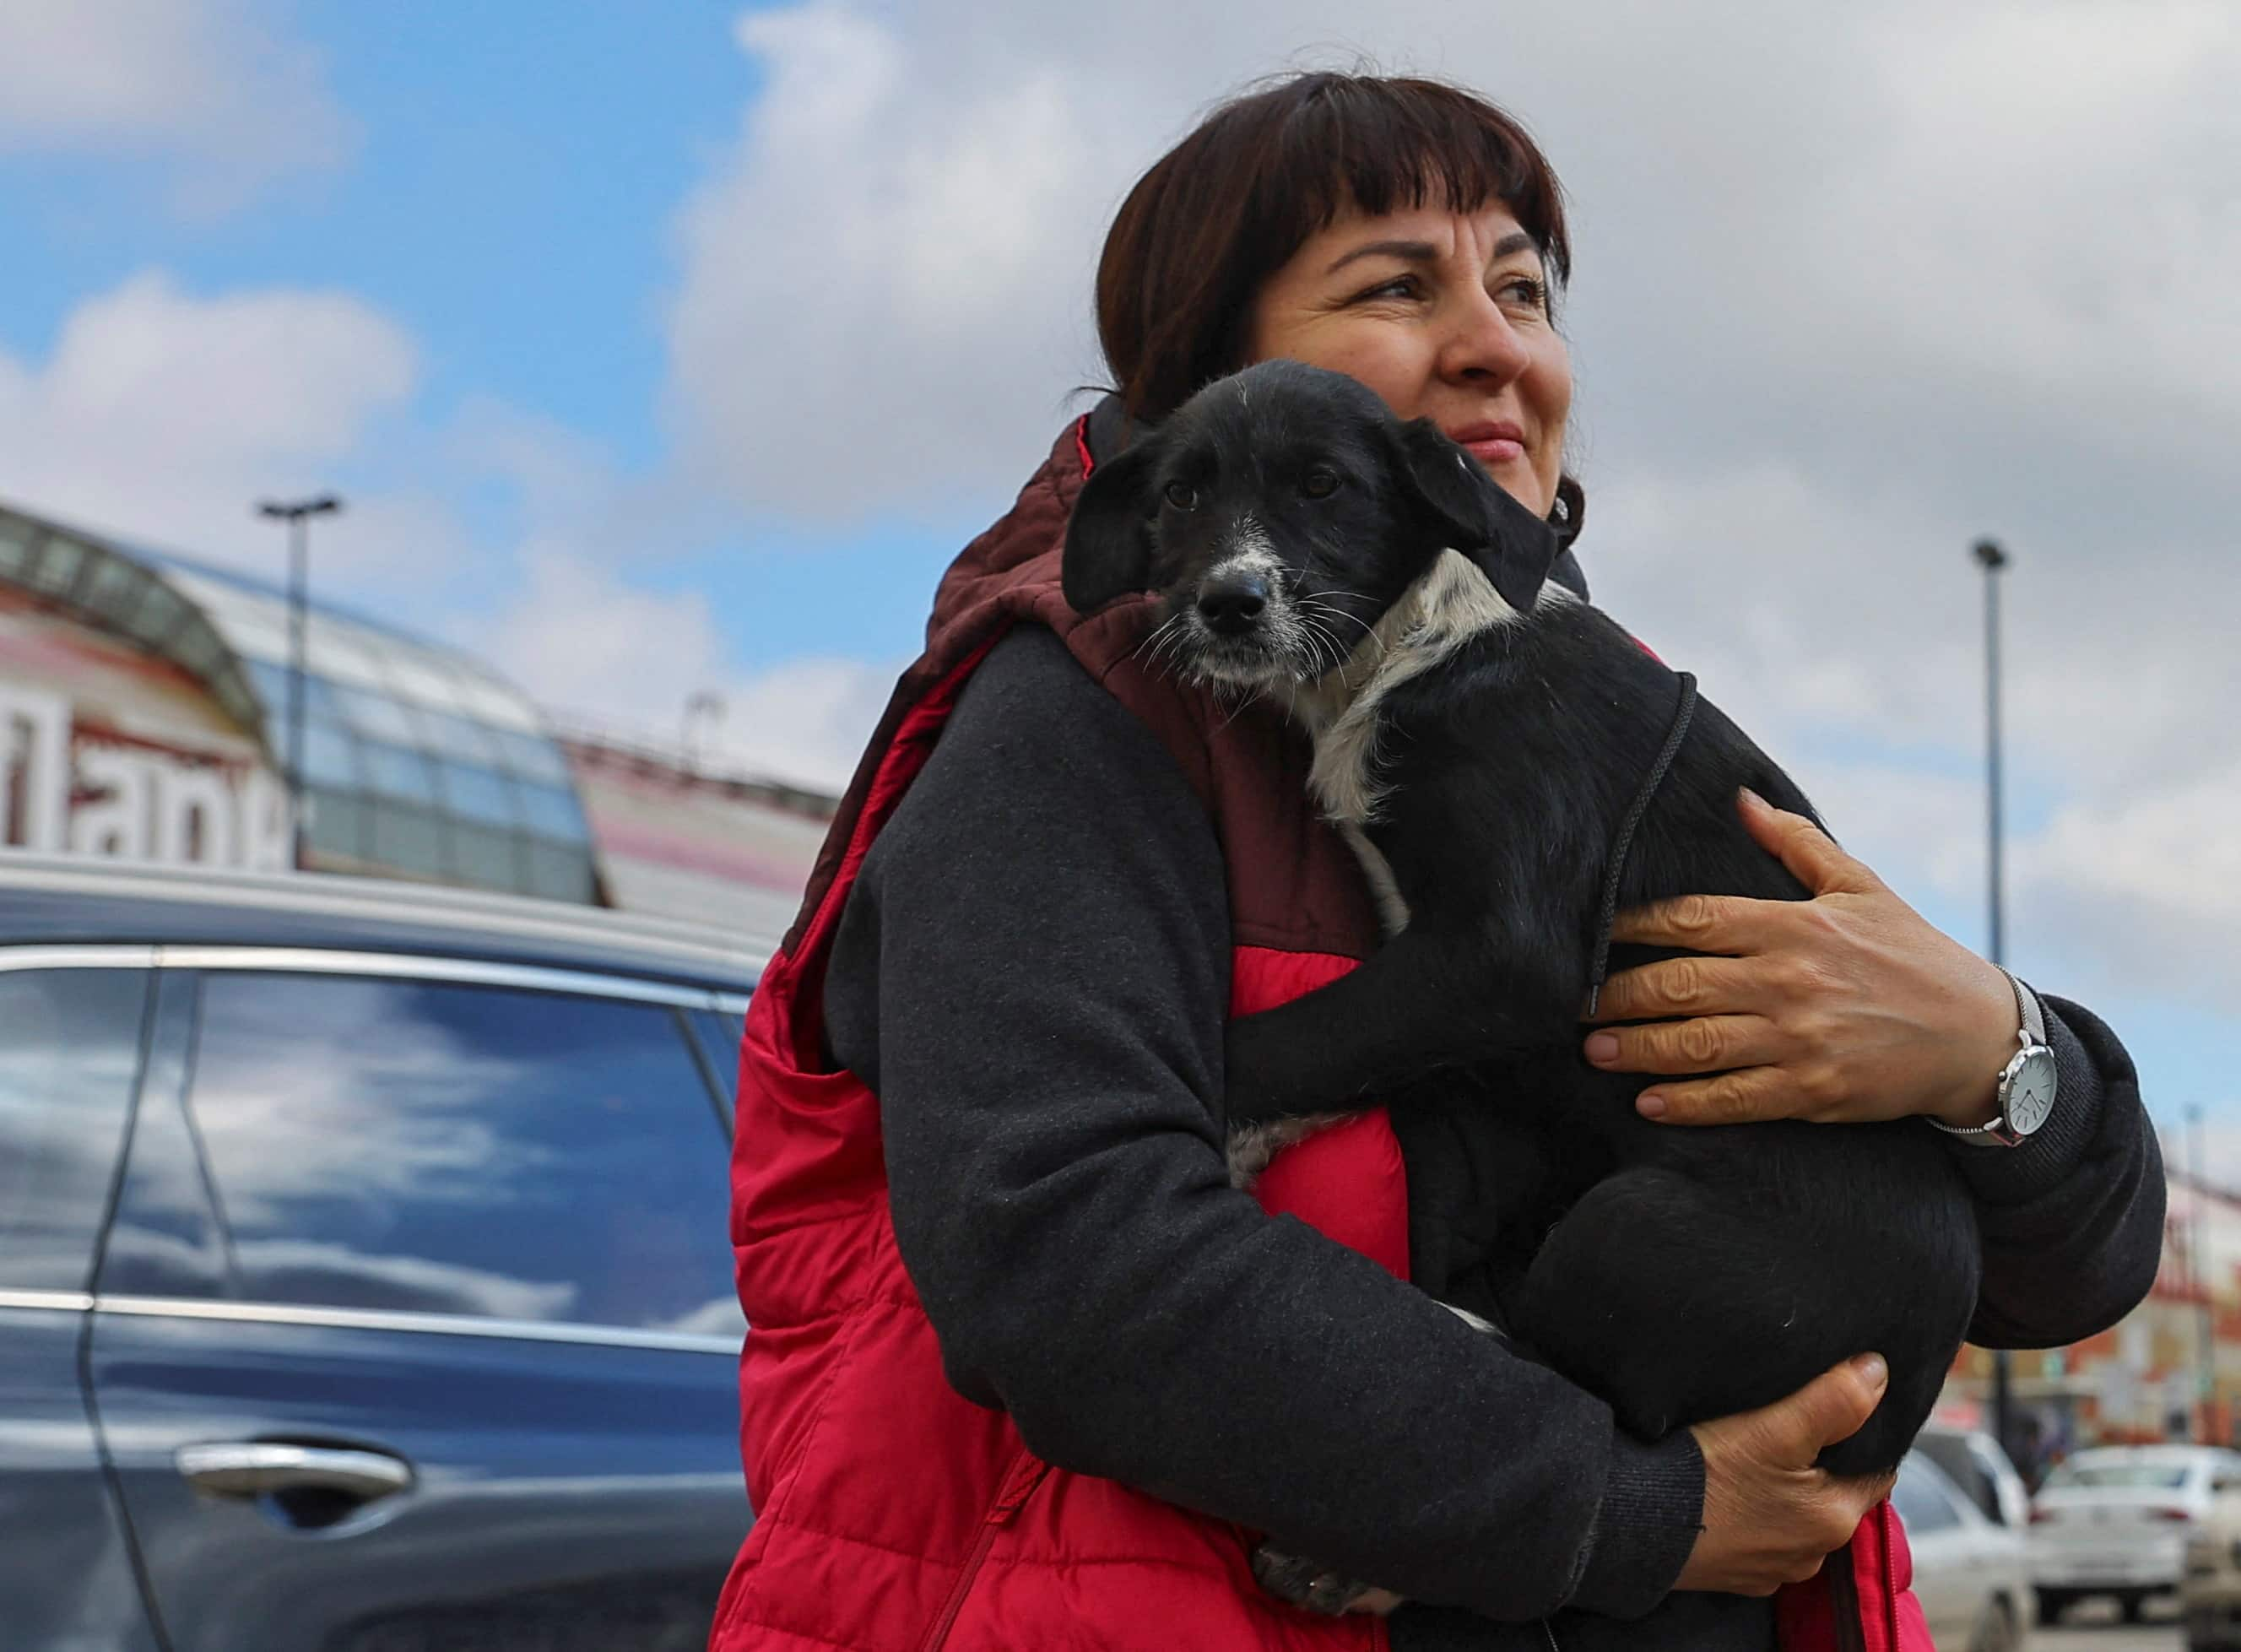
{"points": [[1652, 1511], [1998, 1175]]}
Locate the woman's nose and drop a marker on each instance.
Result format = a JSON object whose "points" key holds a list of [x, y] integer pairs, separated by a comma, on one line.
{"points": [[1481, 344]]}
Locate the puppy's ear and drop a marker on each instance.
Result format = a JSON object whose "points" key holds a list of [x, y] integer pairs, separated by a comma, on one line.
{"points": [[1109, 539], [1475, 514]]}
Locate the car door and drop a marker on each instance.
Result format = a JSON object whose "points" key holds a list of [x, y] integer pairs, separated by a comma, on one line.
{"points": [[417, 1326], [71, 1031]]}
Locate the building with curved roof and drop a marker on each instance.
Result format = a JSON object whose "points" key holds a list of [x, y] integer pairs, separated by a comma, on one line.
{"points": [[143, 698]]}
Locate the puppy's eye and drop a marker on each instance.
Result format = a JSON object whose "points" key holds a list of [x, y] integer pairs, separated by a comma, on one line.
{"points": [[1320, 482], [1183, 496]]}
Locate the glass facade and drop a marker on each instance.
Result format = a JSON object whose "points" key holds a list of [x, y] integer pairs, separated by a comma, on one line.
{"points": [[416, 759]]}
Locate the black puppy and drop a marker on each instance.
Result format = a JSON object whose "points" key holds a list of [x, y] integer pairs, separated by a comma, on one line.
{"points": [[1484, 736]]}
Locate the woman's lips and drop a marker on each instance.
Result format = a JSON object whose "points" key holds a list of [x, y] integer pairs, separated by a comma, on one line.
{"points": [[1491, 443]]}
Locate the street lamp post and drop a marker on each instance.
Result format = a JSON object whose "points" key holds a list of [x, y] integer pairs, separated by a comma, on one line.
{"points": [[2198, 1255], [1991, 558], [702, 705], [297, 514]]}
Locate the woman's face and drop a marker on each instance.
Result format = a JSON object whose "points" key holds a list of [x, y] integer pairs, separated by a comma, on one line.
{"points": [[1443, 314]]}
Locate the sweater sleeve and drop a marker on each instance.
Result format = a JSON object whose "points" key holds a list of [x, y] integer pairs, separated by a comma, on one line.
{"points": [[2071, 1220], [1032, 971]]}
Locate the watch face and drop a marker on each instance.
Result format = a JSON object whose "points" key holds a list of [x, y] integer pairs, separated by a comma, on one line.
{"points": [[2027, 1095]]}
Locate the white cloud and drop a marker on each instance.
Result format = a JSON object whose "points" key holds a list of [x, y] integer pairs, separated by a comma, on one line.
{"points": [[616, 659], [164, 416], [880, 292], [215, 89], [2158, 875]]}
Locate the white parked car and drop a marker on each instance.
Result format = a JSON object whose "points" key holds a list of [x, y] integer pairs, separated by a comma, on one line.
{"points": [[2114, 1521], [1969, 1572]]}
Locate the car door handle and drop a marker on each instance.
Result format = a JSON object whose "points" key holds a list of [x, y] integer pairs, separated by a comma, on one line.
{"points": [[260, 1467]]}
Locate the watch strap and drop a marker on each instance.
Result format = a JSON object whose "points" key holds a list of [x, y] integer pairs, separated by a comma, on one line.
{"points": [[2030, 1035], [2033, 1013]]}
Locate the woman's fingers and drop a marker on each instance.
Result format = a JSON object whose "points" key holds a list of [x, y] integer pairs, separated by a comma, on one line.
{"points": [[1835, 1406], [1679, 986], [1754, 1095], [1809, 853], [1725, 924], [1770, 1517], [1703, 1044]]}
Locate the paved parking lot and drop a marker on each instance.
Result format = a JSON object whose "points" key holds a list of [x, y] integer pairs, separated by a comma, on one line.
{"points": [[2093, 1627]]}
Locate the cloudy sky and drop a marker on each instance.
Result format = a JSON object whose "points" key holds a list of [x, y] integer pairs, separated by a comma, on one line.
{"points": [[664, 348]]}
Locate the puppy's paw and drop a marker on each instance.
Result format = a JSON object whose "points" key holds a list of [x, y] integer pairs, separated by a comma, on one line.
{"points": [[1305, 1584]]}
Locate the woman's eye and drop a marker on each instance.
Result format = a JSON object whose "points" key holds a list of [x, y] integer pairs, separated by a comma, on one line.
{"points": [[1529, 289], [1400, 287], [1183, 496], [1319, 484]]}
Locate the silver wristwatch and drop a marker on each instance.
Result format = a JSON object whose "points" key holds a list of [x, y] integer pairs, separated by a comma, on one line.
{"points": [[2027, 1083]]}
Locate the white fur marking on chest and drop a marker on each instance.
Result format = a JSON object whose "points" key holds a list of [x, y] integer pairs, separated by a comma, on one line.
{"points": [[1451, 603]]}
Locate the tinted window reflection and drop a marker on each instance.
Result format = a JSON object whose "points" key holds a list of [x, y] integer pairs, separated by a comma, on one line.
{"points": [[70, 1050], [464, 1150]]}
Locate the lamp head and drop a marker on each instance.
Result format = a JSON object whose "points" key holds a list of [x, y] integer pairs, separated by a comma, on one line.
{"points": [[324, 505]]}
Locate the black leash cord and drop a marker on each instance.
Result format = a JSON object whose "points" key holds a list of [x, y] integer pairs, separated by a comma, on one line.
{"points": [[1616, 868]]}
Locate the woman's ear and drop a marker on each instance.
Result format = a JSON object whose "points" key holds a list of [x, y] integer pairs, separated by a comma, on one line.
{"points": [[1109, 539], [1475, 514]]}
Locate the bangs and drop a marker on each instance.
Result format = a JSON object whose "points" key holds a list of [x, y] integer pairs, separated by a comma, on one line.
{"points": [[1380, 146]]}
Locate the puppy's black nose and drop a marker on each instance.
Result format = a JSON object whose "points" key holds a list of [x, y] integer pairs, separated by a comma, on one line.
{"points": [[1232, 605]]}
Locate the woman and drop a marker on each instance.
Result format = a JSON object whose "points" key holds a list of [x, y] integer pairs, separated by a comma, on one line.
{"points": [[1026, 1372]]}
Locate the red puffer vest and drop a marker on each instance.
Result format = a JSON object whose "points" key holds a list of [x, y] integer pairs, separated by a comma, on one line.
{"points": [[893, 1515]]}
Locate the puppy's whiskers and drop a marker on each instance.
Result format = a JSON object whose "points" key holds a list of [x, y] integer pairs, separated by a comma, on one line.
{"points": [[1321, 640], [1155, 638], [1324, 605]]}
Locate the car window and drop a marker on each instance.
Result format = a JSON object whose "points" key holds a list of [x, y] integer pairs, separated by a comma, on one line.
{"points": [[69, 1053], [1953, 1453], [2131, 1476], [1923, 1505], [380, 1143]]}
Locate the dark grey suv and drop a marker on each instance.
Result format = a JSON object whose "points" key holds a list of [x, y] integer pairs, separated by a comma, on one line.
{"points": [[363, 1276]]}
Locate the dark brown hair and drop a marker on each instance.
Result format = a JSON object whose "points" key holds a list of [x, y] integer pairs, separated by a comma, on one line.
{"points": [[1229, 205]]}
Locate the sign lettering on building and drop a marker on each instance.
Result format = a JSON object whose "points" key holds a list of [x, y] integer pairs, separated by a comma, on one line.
{"points": [[72, 789]]}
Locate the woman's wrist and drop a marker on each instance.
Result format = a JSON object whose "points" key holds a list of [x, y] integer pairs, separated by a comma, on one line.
{"points": [[1985, 1039]]}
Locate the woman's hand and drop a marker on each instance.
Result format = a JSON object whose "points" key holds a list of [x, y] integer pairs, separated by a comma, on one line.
{"points": [[1842, 1009], [1770, 1517]]}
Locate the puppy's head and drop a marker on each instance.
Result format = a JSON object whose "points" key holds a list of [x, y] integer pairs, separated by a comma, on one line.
{"points": [[1279, 512]]}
